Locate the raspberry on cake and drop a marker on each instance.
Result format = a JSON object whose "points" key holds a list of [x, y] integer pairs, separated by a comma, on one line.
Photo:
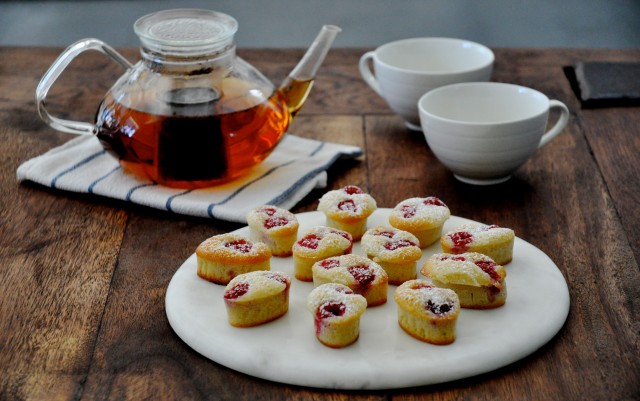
{"points": [[275, 227], [348, 209], [491, 240], [318, 243], [336, 311], [395, 250], [476, 278], [361, 275], [427, 312], [222, 257], [257, 297], [422, 217]]}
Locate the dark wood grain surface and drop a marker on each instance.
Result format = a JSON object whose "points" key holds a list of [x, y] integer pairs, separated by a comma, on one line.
{"points": [[83, 278]]}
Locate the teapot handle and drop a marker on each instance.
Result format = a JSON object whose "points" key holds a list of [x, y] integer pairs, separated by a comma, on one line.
{"points": [[71, 52]]}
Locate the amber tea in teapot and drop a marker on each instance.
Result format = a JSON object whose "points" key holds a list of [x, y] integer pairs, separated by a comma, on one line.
{"points": [[197, 145], [190, 114]]}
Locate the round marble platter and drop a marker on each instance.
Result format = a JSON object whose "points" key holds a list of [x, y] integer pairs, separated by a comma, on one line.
{"points": [[384, 357]]}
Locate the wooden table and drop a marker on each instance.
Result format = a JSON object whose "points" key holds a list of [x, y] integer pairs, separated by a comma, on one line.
{"points": [[83, 278]]}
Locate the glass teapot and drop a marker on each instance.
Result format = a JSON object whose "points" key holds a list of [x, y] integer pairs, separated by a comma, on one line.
{"points": [[190, 113]]}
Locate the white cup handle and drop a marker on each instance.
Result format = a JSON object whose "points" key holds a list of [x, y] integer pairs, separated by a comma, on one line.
{"points": [[559, 125], [367, 74]]}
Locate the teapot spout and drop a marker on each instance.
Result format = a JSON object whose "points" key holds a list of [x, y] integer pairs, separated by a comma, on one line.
{"points": [[297, 85], [310, 63]]}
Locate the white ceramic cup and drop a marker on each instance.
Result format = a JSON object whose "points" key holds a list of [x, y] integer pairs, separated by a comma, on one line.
{"points": [[406, 69], [484, 131]]}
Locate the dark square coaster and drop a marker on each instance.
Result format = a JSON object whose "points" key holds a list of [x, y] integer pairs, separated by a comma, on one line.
{"points": [[605, 84]]}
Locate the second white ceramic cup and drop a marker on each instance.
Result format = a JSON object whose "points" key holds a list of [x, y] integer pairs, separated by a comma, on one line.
{"points": [[484, 131], [406, 69]]}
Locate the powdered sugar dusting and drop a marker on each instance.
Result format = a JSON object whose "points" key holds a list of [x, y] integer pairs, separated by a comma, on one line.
{"points": [[465, 269], [421, 212], [389, 244], [480, 235], [347, 203], [271, 219], [259, 284], [232, 245], [333, 292], [321, 240], [349, 270], [423, 297]]}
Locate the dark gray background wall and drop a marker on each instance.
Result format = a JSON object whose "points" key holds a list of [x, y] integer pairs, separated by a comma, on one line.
{"points": [[365, 23]]}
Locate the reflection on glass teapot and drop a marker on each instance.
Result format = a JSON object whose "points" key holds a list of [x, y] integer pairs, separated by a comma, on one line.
{"points": [[190, 113]]}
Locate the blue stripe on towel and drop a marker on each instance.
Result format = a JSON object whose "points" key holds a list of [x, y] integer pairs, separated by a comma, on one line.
{"points": [[132, 190], [97, 181], [302, 180], [75, 166], [317, 149], [288, 191], [167, 205], [237, 191]]}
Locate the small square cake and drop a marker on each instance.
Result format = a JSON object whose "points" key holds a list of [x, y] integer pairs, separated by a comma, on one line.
{"points": [[275, 227], [256, 298], [348, 209], [476, 278], [222, 257], [362, 275], [336, 311], [493, 241], [395, 250], [318, 243], [427, 312], [422, 217]]}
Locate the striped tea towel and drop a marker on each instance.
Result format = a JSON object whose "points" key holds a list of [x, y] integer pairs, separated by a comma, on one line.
{"points": [[295, 167]]}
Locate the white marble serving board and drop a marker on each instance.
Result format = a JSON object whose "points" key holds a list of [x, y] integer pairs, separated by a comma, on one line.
{"points": [[384, 357]]}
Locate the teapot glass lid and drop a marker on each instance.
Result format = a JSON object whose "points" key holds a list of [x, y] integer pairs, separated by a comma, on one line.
{"points": [[186, 31]]}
